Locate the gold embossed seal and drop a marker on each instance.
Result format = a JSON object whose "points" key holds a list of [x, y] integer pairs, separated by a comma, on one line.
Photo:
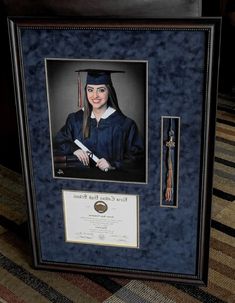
{"points": [[101, 207]]}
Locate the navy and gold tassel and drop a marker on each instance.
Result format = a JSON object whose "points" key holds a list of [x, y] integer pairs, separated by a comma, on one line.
{"points": [[170, 144], [79, 91]]}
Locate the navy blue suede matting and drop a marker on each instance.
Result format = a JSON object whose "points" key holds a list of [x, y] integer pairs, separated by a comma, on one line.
{"points": [[176, 68]]}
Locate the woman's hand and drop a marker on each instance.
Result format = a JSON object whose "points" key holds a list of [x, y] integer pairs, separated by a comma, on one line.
{"points": [[103, 164], [82, 156]]}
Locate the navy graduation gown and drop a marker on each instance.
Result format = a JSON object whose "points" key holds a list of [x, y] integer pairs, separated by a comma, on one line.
{"points": [[114, 138]]}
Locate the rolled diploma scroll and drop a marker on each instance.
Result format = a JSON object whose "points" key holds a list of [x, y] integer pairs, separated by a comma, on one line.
{"points": [[90, 154]]}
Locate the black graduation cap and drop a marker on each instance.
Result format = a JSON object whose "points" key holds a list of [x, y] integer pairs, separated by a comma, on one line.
{"points": [[99, 76], [95, 77]]}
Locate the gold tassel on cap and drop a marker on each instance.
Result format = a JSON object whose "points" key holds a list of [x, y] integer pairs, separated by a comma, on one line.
{"points": [[80, 103], [170, 152]]}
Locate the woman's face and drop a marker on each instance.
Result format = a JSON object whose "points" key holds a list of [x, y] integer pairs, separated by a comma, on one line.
{"points": [[97, 95]]}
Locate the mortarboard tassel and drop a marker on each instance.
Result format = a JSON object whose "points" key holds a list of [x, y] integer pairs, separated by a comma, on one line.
{"points": [[79, 91], [170, 152]]}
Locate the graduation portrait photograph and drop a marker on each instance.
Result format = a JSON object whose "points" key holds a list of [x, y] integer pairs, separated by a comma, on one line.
{"points": [[97, 113]]}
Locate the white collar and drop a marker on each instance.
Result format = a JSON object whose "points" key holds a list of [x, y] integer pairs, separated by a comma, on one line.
{"points": [[109, 111]]}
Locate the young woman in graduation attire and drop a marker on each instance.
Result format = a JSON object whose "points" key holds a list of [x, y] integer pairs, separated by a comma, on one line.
{"points": [[102, 128]]}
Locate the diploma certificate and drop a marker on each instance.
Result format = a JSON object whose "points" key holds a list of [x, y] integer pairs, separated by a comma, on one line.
{"points": [[101, 218]]}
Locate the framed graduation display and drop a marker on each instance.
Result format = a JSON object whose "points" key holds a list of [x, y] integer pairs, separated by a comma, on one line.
{"points": [[117, 123]]}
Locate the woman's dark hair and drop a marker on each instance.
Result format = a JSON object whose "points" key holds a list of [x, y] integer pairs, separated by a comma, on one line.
{"points": [[112, 101]]}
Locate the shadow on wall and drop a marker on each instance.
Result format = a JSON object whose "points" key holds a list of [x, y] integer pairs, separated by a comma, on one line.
{"points": [[131, 8], [9, 151], [227, 61]]}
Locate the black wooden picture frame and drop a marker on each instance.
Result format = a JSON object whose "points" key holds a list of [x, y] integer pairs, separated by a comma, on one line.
{"points": [[157, 242]]}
